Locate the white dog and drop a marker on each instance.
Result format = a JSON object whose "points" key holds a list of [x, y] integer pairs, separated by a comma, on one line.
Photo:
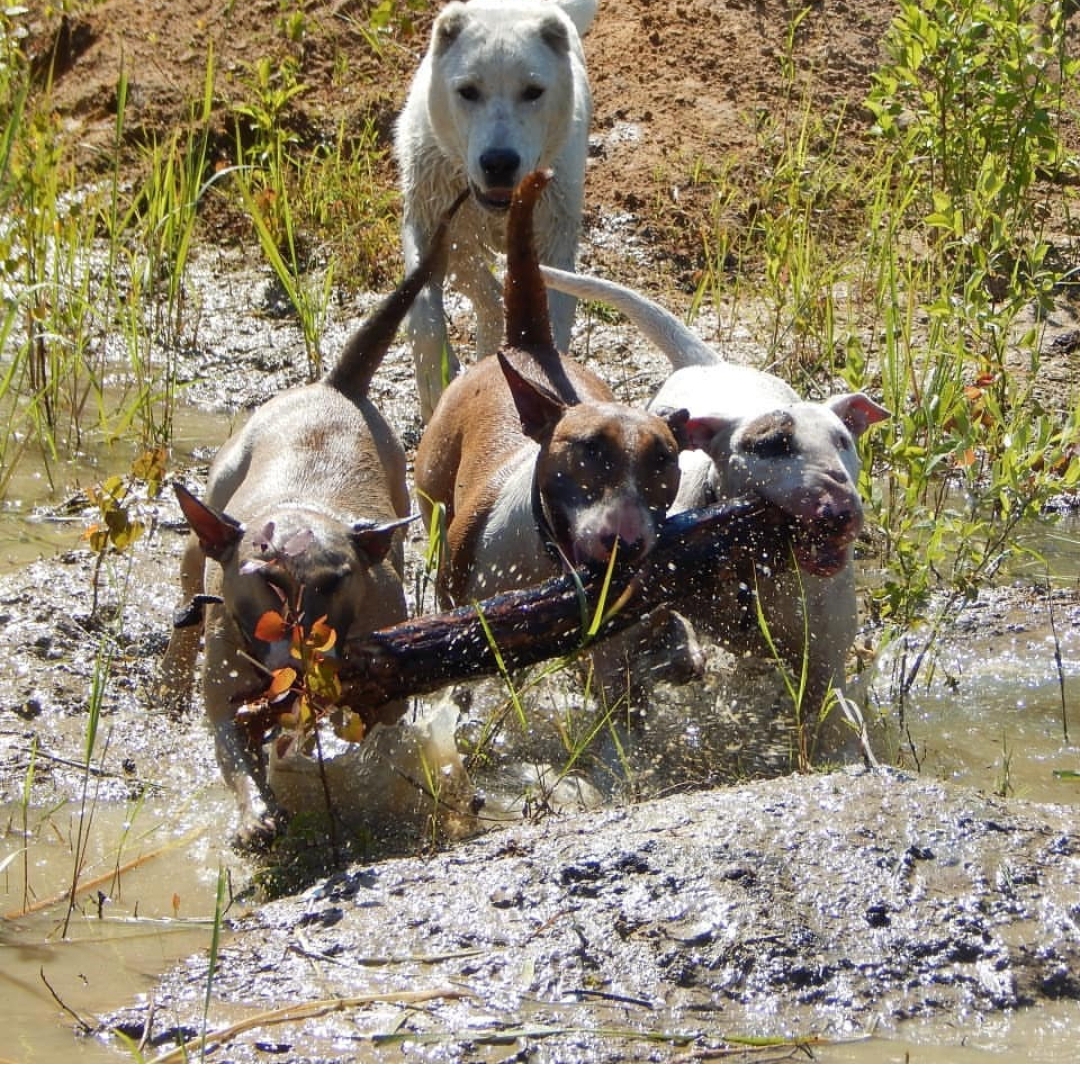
{"points": [[501, 92], [753, 435]]}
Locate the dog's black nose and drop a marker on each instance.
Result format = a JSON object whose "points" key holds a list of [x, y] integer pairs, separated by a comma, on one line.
{"points": [[500, 167], [630, 548]]}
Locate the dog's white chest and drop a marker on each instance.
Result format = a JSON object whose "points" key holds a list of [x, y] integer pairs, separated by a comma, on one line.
{"points": [[510, 552]]}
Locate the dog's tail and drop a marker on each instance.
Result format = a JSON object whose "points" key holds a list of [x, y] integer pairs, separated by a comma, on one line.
{"points": [[673, 338], [364, 351], [528, 324]]}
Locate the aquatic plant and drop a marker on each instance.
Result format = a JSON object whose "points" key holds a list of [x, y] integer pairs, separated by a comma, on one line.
{"points": [[922, 270]]}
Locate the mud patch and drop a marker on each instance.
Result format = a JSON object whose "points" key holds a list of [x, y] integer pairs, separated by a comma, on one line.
{"points": [[829, 906]]}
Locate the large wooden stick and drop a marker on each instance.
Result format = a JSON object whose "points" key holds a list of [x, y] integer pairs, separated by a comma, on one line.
{"points": [[696, 549]]}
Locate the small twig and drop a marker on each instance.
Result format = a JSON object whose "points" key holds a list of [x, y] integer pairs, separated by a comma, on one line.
{"points": [[620, 999], [311, 1010], [853, 715], [1057, 660], [148, 1026], [101, 771], [84, 1027], [102, 879], [430, 959]]}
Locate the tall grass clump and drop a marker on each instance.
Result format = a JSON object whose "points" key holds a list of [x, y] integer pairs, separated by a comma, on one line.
{"points": [[47, 289], [94, 283], [85, 264], [920, 266], [969, 105], [316, 210]]}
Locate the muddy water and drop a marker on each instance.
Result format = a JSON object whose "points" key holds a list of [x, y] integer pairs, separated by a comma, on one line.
{"points": [[146, 898], [991, 718]]}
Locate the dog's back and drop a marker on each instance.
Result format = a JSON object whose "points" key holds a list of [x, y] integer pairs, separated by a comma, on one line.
{"points": [[327, 439]]}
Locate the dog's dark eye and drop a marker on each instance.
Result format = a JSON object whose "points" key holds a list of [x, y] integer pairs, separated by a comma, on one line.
{"points": [[843, 442], [778, 444], [468, 93], [532, 93], [328, 581], [661, 458], [592, 449]]}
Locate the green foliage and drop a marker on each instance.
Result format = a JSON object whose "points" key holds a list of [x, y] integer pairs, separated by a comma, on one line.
{"points": [[922, 272], [84, 265], [971, 95], [969, 103], [212, 960], [339, 194], [68, 288], [120, 521], [386, 21]]}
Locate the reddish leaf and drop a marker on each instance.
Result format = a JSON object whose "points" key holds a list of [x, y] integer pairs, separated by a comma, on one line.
{"points": [[283, 680], [271, 627], [322, 636]]}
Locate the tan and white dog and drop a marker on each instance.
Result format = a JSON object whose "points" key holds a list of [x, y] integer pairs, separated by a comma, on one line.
{"points": [[501, 92], [537, 465], [751, 434], [305, 503]]}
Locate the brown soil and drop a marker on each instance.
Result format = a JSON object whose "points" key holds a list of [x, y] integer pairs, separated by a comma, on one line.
{"points": [[676, 86]]}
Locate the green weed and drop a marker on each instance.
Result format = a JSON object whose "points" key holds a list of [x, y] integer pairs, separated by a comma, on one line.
{"points": [[87, 264], [212, 960], [923, 273]]}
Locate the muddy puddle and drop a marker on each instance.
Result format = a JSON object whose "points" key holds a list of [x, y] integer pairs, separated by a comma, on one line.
{"points": [[155, 819]]}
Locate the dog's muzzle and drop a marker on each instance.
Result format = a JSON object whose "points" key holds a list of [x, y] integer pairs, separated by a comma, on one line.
{"points": [[501, 169], [494, 200]]}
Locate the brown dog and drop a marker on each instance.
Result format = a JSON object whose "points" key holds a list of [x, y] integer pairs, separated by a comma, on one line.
{"points": [[305, 503], [537, 466]]}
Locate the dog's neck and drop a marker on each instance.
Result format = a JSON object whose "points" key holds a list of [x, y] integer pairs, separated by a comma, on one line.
{"points": [[544, 527]]}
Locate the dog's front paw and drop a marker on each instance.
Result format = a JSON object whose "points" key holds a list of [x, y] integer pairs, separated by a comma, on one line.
{"points": [[258, 831]]}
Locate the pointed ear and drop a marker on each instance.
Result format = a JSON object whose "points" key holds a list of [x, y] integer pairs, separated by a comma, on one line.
{"points": [[857, 412], [374, 539], [217, 532], [678, 422], [448, 27], [540, 410], [702, 431]]}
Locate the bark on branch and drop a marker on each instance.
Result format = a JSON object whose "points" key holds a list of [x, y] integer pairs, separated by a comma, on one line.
{"points": [[696, 549]]}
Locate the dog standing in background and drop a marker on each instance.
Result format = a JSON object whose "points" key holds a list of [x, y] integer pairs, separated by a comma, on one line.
{"points": [[501, 92]]}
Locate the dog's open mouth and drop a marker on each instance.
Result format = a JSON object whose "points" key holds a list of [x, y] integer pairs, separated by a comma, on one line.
{"points": [[820, 551], [497, 200]]}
